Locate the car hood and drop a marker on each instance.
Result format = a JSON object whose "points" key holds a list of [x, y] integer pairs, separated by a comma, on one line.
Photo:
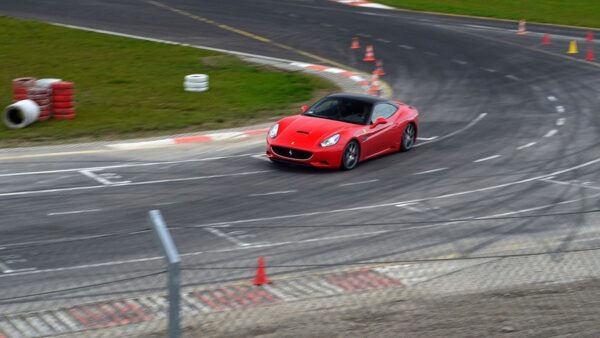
{"points": [[306, 131]]}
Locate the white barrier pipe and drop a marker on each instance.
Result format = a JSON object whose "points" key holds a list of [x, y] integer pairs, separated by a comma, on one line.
{"points": [[21, 114]]}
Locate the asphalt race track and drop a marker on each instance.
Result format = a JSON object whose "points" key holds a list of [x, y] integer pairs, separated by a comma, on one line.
{"points": [[508, 161]]}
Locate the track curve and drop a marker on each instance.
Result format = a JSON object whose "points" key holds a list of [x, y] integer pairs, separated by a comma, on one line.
{"points": [[512, 127]]}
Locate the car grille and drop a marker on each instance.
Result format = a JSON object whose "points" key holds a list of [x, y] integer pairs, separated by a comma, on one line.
{"points": [[292, 153]]}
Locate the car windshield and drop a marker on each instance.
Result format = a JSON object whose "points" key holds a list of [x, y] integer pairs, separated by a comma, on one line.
{"points": [[342, 109]]}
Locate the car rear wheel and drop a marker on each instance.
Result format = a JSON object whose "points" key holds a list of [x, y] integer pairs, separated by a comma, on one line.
{"points": [[350, 156], [409, 137]]}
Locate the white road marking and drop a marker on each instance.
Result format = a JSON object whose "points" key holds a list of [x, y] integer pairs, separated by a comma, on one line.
{"points": [[95, 177], [326, 25], [230, 238], [489, 70], [560, 109], [383, 40], [560, 121], [552, 98], [551, 133], [471, 124], [429, 171], [460, 62], [427, 138], [261, 157], [32, 192], [274, 193], [486, 158], [118, 166], [526, 145], [406, 47], [5, 268], [575, 184], [512, 77], [73, 212], [356, 183], [163, 204], [410, 207]]}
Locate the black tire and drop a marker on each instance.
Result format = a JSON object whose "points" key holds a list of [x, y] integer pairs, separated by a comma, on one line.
{"points": [[350, 156], [409, 137]]}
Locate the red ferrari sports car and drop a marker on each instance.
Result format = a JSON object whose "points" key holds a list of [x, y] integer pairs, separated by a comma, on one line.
{"points": [[341, 130]]}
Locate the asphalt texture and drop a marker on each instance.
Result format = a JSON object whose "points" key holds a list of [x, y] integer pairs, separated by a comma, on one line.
{"points": [[508, 159]]}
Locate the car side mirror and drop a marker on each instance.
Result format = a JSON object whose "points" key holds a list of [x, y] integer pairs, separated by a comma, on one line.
{"points": [[380, 120], [304, 108]]}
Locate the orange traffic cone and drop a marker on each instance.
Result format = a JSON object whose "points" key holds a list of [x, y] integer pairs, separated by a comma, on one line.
{"points": [[369, 54], [589, 37], [522, 29], [261, 276], [379, 68], [375, 87], [590, 54], [546, 40], [355, 43]]}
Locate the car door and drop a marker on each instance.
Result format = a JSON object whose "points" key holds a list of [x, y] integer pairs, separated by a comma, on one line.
{"points": [[378, 138]]}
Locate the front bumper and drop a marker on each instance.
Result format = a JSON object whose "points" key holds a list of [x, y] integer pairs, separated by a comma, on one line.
{"points": [[330, 157]]}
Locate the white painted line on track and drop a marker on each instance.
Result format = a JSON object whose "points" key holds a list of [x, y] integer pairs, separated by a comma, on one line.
{"points": [[410, 208], [427, 138], [357, 183], [32, 192], [560, 121], [274, 193], [262, 157], [489, 70], [4, 268], [526, 145], [383, 40], [406, 47], [552, 98], [429, 171], [460, 62], [487, 158], [73, 212], [95, 177], [551, 133], [471, 124], [328, 25], [118, 166], [512, 77], [560, 109], [221, 234], [575, 184]]}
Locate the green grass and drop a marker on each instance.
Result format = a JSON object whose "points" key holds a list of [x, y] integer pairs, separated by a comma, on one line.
{"points": [[578, 13], [127, 87]]}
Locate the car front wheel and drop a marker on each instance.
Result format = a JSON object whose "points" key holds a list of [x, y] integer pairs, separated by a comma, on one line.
{"points": [[350, 156], [409, 137]]}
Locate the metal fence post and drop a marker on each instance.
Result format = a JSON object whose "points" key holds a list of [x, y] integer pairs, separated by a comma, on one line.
{"points": [[172, 258]]}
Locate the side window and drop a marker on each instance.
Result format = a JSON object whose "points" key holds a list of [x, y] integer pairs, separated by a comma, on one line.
{"points": [[384, 110]]}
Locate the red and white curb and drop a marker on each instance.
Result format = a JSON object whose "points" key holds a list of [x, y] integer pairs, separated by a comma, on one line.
{"points": [[122, 312], [224, 136], [359, 79], [359, 3]]}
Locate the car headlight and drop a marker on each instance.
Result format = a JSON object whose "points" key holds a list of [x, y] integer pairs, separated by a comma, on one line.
{"points": [[330, 141], [273, 131]]}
